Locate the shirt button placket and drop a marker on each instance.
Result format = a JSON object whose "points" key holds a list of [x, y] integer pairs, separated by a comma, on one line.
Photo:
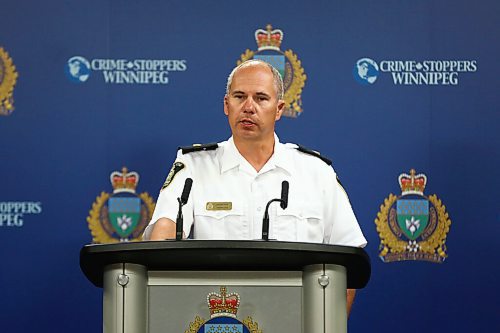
{"points": [[257, 209]]}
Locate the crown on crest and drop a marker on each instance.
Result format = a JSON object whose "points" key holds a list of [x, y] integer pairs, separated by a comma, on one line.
{"points": [[223, 304], [268, 39], [412, 183], [124, 181]]}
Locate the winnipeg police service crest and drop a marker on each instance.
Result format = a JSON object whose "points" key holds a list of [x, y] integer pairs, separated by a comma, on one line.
{"points": [[8, 78], [412, 226], [123, 215], [223, 308], [287, 63]]}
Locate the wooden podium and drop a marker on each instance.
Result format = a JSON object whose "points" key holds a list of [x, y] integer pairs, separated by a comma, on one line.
{"points": [[163, 286]]}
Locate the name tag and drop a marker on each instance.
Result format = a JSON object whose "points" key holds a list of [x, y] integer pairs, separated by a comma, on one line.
{"points": [[219, 206]]}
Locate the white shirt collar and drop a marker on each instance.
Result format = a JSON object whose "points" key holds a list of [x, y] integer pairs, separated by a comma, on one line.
{"points": [[232, 158]]}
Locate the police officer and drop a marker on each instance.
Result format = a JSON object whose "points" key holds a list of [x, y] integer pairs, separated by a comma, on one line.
{"points": [[233, 180]]}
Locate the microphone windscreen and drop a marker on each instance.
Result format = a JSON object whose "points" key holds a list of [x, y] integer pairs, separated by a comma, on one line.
{"points": [[187, 189], [284, 194]]}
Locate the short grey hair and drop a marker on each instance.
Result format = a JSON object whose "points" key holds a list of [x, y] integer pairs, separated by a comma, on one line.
{"points": [[278, 80]]}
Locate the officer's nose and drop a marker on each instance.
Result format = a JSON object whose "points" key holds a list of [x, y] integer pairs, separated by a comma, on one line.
{"points": [[248, 106]]}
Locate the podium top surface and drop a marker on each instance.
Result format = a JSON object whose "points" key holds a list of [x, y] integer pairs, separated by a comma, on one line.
{"points": [[234, 255]]}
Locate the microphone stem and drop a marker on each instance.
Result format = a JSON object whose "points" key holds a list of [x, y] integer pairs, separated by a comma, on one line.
{"points": [[265, 220], [179, 221]]}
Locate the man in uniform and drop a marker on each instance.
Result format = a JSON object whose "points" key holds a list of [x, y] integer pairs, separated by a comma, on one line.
{"points": [[234, 180]]}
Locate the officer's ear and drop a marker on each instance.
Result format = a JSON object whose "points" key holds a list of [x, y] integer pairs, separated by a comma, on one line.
{"points": [[226, 112], [280, 109]]}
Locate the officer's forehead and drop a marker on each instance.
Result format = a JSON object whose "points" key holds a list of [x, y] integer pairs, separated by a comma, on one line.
{"points": [[255, 73]]}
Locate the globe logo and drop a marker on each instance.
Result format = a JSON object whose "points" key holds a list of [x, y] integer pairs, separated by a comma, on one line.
{"points": [[365, 71], [78, 69]]}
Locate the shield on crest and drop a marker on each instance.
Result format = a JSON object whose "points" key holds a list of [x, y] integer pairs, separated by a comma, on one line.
{"points": [[412, 216], [124, 214], [224, 325], [277, 61]]}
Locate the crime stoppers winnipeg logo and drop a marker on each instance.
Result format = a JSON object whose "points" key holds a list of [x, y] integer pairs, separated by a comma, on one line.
{"points": [[412, 72], [14, 213], [123, 215], [287, 63], [412, 226], [123, 71]]}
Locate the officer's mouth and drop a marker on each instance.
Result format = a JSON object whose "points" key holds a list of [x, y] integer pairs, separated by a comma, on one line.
{"points": [[247, 123]]}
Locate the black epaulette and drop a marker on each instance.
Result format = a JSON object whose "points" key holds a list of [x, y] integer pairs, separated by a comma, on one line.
{"points": [[313, 153], [198, 147]]}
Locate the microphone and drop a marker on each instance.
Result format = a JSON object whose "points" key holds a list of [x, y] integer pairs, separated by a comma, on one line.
{"points": [[284, 195], [187, 189], [283, 204], [182, 201]]}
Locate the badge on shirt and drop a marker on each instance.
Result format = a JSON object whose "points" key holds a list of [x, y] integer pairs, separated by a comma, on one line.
{"points": [[219, 206], [178, 166]]}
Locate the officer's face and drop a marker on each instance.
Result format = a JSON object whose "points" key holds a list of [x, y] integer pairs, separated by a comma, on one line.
{"points": [[252, 105]]}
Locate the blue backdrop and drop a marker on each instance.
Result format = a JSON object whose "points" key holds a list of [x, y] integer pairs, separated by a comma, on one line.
{"points": [[64, 138]]}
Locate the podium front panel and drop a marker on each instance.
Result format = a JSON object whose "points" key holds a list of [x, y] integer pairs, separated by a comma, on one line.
{"points": [[273, 300]]}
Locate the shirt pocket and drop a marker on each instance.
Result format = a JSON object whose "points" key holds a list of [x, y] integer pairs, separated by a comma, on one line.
{"points": [[220, 223], [300, 223]]}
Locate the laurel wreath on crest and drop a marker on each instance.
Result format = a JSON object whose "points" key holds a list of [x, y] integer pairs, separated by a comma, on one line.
{"points": [[196, 325], [252, 326], [436, 242], [8, 78], [97, 229], [292, 94], [390, 243]]}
